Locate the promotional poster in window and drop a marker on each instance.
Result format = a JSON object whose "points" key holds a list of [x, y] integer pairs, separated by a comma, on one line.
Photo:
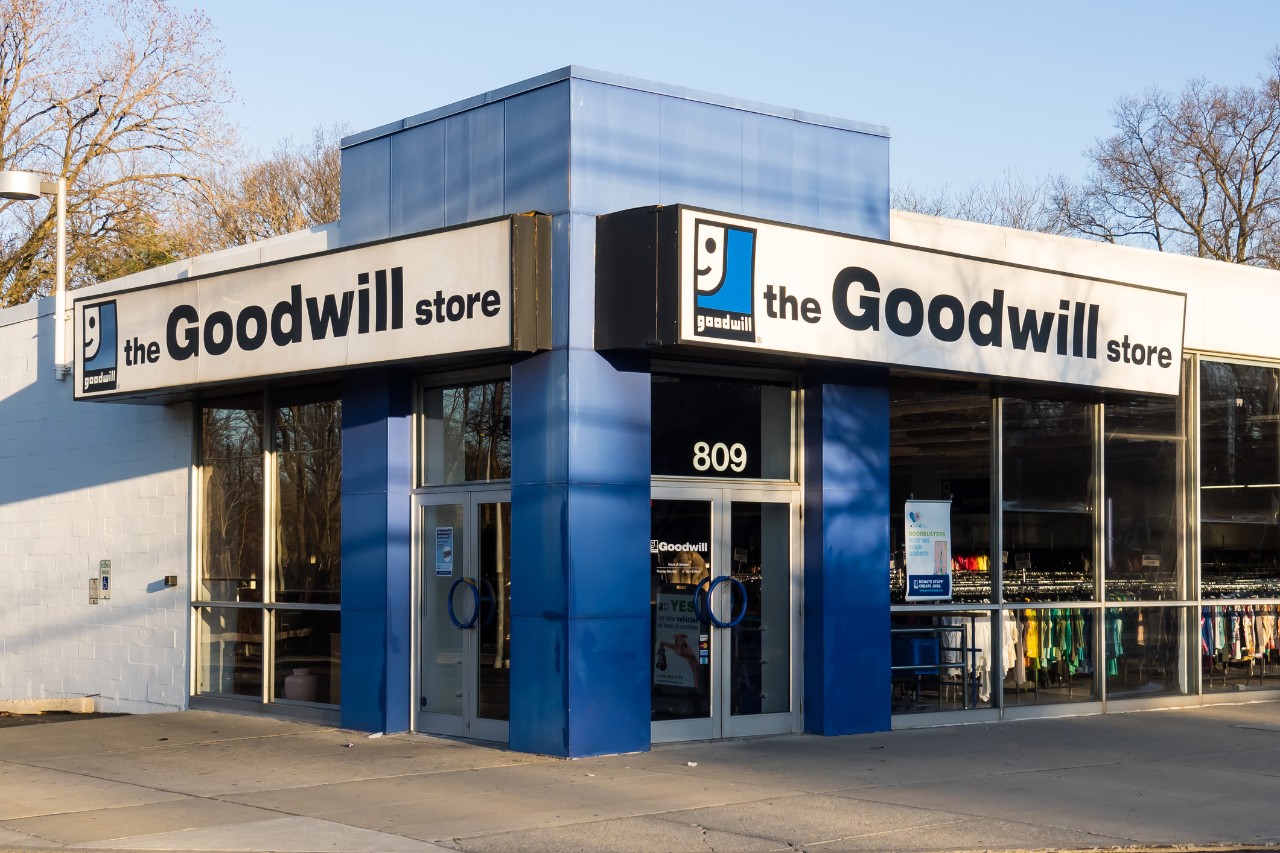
{"points": [[928, 549]]}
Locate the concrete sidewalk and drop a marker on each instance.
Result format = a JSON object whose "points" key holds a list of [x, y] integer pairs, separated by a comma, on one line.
{"points": [[200, 781]]}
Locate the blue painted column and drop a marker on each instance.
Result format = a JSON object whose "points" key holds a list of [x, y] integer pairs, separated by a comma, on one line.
{"points": [[376, 551], [846, 534], [580, 530]]}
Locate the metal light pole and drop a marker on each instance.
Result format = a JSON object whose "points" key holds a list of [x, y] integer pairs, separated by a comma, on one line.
{"points": [[28, 186]]}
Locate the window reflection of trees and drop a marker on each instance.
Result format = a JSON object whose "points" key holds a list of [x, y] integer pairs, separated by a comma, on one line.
{"points": [[309, 509], [477, 418], [232, 471]]}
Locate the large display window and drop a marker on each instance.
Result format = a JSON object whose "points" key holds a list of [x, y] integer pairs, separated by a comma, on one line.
{"points": [[1048, 499], [1143, 510], [1239, 480], [269, 563], [940, 449], [1239, 535], [1074, 587]]}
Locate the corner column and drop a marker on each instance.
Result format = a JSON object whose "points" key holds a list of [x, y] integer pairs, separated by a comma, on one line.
{"points": [[580, 530]]}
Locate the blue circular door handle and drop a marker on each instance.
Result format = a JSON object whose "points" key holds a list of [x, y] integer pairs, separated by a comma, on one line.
{"points": [[734, 620], [475, 600]]}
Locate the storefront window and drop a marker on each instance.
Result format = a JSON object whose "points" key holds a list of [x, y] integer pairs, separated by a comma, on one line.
{"points": [[1048, 655], [1142, 651], [466, 434], [308, 655], [941, 661], [231, 474], [309, 506], [1143, 513], [230, 653], [1045, 641], [940, 449], [1239, 481], [241, 626], [1238, 646], [1048, 500], [709, 426]]}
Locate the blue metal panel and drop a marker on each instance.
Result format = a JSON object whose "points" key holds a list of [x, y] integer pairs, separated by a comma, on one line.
{"points": [[609, 685], [700, 155], [417, 170], [366, 186], [609, 415], [539, 419], [780, 172], [364, 553], [364, 677], [537, 150], [539, 682], [846, 554], [615, 148], [376, 549], [854, 188], [540, 557], [609, 552], [473, 170]]}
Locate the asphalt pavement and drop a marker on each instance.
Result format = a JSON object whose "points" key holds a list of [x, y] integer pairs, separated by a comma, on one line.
{"points": [[1194, 779]]}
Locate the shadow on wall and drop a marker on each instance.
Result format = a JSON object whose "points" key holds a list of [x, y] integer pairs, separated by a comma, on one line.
{"points": [[52, 445]]}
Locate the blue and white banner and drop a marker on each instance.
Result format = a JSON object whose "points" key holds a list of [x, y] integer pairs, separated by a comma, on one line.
{"points": [[928, 550]]}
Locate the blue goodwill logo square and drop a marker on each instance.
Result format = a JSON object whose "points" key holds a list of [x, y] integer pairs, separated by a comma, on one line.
{"points": [[724, 281], [99, 343]]}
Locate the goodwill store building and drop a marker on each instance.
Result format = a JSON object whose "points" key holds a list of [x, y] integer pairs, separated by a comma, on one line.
{"points": [[613, 413]]}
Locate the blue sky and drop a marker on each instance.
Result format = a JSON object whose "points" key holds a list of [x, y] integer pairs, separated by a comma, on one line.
{"points": [[967, 90]]}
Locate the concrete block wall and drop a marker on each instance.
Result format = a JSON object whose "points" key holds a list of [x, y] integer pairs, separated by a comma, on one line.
{"points": [[80, 483]]}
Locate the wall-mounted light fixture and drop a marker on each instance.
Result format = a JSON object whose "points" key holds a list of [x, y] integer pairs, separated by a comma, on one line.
{"points": [[28, 186]]}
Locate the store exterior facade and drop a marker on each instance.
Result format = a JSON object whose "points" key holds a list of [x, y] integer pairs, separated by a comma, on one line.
{"points": [[612, 414]]}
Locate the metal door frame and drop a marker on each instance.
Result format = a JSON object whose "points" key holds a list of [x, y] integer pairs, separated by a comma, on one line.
{"points": [[720, 723], [468, 724]]}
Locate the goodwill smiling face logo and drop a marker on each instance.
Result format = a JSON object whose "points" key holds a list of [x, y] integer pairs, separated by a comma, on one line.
{"points": [[724, 281], [99, 342]]}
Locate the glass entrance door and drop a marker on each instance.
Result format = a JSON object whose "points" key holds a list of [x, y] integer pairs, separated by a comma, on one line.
{"points": [[724, 599], [464, 559]]}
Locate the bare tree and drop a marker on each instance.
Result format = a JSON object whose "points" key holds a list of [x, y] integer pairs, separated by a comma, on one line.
{"points": [[1194, 173], [1012, 200], [125, 101], [296, 187]]}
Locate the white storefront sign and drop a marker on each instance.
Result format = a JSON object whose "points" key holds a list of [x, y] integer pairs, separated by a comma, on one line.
{"points": [[783, 289], [928, 550], [442, 293]]}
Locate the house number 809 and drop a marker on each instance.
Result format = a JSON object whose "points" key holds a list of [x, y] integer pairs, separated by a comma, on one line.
{"points": [[719, 457]]}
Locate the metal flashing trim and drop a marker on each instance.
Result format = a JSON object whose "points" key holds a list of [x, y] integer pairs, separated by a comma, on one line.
{"points": [[591, 75]]}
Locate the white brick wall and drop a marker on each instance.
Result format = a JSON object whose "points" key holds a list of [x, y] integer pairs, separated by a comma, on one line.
{"points": [[79, 483]]}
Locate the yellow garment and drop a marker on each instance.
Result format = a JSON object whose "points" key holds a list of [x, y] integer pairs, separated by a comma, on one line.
{"points": [[1033, 636]]}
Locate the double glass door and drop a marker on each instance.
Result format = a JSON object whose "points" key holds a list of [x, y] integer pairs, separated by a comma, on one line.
{"points": [[724, 599], [464, 564]]}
